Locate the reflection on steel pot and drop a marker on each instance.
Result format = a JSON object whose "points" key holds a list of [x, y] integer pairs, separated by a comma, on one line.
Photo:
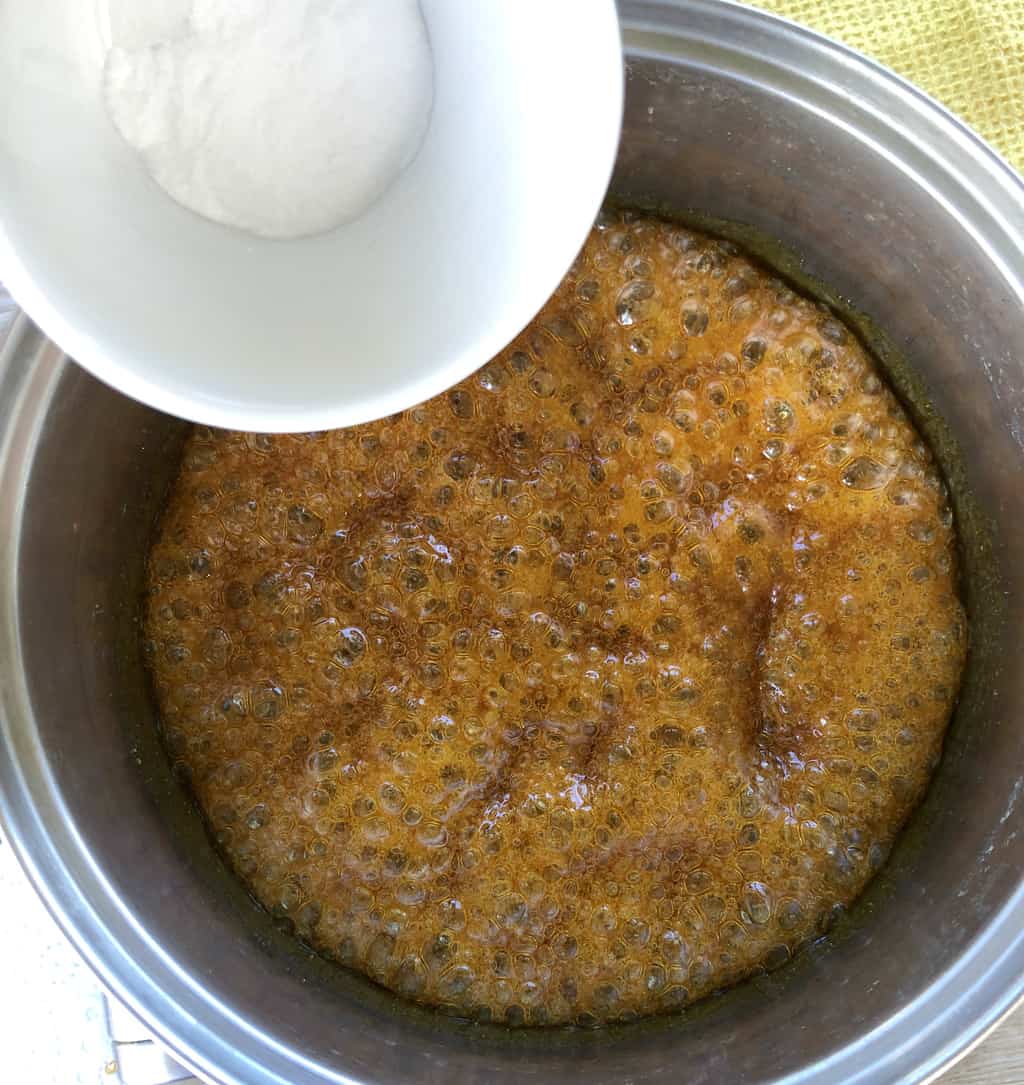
{"points": [[774, 133]]}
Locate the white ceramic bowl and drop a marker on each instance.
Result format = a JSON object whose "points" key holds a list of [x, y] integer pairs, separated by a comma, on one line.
{"points": [[213, 325]]}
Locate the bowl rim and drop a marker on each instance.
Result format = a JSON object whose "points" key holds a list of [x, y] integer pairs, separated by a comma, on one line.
{"points": [[919, 1042], [112, 366]]}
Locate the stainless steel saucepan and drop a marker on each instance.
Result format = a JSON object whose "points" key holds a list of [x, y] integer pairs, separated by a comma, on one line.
{"points": [[865, 185]]}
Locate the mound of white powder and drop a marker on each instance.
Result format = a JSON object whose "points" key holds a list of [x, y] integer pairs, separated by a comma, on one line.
{"points": [[280, 117]]}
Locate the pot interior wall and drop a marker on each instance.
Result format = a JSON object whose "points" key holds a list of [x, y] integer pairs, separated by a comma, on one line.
{"points": [[694, 142]]}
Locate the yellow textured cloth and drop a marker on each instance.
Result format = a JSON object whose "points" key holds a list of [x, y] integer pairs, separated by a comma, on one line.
{"points": [[968, 54]]}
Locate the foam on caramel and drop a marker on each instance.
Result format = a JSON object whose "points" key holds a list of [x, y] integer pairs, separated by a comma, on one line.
{"points": [[593, 685]]}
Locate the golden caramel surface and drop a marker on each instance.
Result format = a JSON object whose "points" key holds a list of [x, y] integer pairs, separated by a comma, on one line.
{"points": [[590, 686]]}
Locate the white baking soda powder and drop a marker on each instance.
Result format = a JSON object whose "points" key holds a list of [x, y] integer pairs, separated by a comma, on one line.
{"points": [[284, 118]]}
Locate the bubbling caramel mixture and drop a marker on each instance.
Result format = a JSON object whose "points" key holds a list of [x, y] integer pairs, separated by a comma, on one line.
{"points": [[593, 685]]}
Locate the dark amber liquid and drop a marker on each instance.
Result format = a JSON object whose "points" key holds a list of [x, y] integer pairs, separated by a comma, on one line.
{"points": [[591, 686]]}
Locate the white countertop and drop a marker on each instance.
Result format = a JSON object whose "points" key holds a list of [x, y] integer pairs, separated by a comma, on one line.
{"points": [[53, 1030]]}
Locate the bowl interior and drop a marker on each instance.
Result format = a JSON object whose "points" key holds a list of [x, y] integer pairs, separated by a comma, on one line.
{"points": [[212, 324], [729, 115]]}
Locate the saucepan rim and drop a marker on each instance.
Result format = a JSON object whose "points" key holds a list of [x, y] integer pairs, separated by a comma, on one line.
{"points": [[895, 119]]}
